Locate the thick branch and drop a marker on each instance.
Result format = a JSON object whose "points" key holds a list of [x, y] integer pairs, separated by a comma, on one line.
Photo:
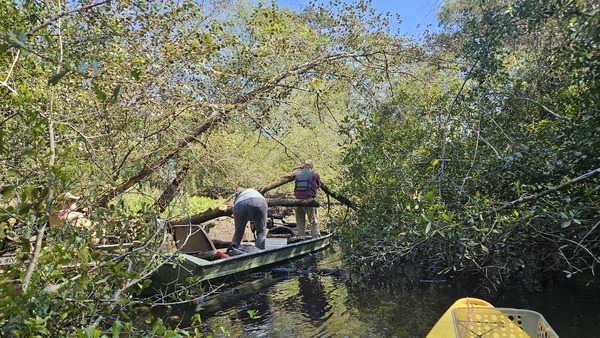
{"points": [[340, 198], [300, 69], [61, 14], [525, 199], [227, 210], [287, 178], [172, 190], [149, 168]]}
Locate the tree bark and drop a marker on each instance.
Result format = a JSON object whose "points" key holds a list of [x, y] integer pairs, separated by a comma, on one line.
{"points": [[172, 190], [227, 210]]}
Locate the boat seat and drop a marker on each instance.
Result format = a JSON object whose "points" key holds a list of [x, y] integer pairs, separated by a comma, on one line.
{"points": [[281, 232], [192, 239]]}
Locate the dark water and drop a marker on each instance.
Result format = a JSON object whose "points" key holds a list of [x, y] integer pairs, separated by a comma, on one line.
{"points": [[316, 304]]}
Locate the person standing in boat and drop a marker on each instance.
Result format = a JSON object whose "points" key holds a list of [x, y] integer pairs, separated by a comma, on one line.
{"points": [[249, 205], [306, 185]]}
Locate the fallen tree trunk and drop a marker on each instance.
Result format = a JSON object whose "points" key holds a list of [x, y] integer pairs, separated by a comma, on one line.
{"points": [[287, 178], [227, 210], [172, 190]]}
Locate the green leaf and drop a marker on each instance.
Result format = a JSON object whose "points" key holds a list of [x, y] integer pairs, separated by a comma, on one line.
{"points": [[115, 94], [22, 36], [3, 47], [91, 332], [253, 314], [99, 93], [118, 267], [56, 77], [19, 37], [196, 319], [7, 192], [24, 209], [157, 325], [85, 255], [117, 328], [11, 173], [103, 280], [136, 74]]}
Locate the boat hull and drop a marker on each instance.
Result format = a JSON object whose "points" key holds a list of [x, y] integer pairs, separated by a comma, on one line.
{"points": [[473, 317], [193, 266]]}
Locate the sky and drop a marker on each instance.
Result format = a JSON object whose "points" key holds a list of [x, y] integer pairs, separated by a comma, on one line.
{"points": [[415, 14]]}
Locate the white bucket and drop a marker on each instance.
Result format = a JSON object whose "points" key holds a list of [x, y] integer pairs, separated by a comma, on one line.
{"points": [[274, 243]]}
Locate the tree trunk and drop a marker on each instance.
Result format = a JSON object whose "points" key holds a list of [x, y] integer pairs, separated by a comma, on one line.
{"points": [[150, 168], [227, 210], [172, 190]]}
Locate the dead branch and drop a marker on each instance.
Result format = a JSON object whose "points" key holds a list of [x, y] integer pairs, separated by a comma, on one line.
{"points": [[227, 210], [173, 189], [530, 198]]}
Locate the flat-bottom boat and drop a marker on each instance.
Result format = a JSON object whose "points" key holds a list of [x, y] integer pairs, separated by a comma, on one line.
{"points": [[200, 257], [473, 317]]}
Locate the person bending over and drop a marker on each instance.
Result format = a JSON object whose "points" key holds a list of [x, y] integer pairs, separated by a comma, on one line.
{"points": [[250, 205]]}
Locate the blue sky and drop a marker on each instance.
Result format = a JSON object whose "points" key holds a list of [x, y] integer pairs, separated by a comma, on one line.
{"points": [[415, 14]]}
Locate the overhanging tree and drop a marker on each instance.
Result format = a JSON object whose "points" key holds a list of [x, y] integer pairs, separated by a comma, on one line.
{"points": [[104, 96]]}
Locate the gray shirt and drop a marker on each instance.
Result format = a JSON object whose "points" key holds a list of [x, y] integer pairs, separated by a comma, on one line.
{"points": [[246, 194]]}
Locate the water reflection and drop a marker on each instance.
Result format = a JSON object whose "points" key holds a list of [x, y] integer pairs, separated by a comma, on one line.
{"points": [[311, 304]]}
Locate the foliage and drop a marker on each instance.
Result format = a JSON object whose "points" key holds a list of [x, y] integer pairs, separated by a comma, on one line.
{"points": [[521, 121], [139, 204]]}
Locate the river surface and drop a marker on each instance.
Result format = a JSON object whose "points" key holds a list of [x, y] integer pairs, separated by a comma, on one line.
{"points": [[284, 302]]}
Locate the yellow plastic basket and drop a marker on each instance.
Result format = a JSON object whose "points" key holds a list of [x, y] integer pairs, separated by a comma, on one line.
{"points": [[500, 323]]}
